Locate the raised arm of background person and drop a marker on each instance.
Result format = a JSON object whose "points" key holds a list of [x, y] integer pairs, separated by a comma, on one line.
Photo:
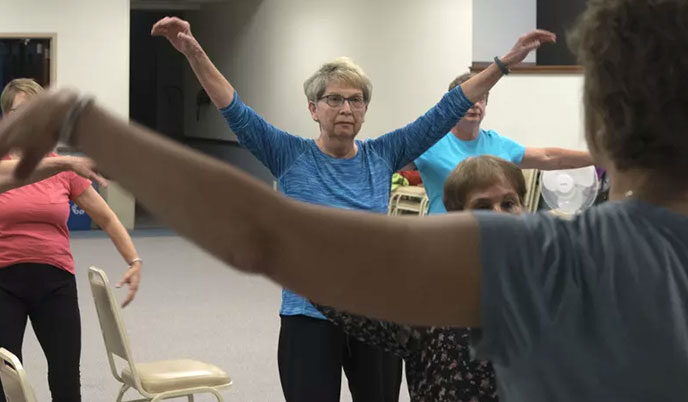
{"points": [[253, 228], [96, 207], [178, 33], [405, 144], [478, 86], [48, 167], [273, 147], [554, 158]]}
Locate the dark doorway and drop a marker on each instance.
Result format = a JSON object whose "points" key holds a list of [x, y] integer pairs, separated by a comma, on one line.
{"points": [[25, 58], [156, 97]]}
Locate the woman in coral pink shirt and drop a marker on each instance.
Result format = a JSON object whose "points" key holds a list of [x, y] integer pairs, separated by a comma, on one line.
{"points": [[36, 265]]}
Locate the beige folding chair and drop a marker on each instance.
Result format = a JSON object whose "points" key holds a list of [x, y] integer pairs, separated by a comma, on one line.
{"points": [[407, 200], [424, 205], [13, 377], [155, 380]]}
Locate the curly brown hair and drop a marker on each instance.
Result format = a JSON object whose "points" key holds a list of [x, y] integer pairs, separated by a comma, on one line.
{"points": [[635, 57]]}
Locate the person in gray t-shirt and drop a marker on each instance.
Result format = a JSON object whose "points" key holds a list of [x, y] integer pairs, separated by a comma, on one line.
{"points": [[593, 309]]}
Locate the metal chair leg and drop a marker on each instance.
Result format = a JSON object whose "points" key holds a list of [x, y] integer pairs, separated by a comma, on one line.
{"points": [[122, 390], [217, 395]]}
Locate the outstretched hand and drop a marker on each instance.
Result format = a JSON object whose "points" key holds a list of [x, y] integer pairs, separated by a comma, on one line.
{"points": [[526, 44], [85, 167], [132, 278], [178, 32]]}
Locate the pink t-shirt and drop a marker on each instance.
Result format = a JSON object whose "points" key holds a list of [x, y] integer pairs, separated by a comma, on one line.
{"points": [[33, 221]]}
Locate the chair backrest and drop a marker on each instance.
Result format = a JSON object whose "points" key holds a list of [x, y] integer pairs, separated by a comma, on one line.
{"points": [[110, 318], [13, 377]]}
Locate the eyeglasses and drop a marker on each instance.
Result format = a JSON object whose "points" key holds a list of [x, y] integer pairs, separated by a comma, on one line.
{"points": [[336, 100]]}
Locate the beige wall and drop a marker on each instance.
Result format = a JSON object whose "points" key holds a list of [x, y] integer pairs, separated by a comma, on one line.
{"points": [[91, 53], [539, 110], [497, 23]]}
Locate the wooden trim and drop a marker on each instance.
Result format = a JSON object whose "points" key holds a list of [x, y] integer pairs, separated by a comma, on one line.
{"points": [[530, 68], [28, 35], [45, 35]]}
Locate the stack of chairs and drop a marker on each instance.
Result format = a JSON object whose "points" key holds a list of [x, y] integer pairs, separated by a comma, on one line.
{"points": [[408, 200]]}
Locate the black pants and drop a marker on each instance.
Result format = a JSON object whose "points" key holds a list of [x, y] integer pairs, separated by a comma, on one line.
{"points": [[312, 353], [46, 295]]}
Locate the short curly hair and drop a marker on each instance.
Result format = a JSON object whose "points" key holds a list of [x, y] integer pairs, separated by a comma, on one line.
{"points": [[341, 70], [635, 57]]}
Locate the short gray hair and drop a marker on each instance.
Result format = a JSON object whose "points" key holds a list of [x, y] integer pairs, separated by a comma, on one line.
{"points": [[340, 70]]}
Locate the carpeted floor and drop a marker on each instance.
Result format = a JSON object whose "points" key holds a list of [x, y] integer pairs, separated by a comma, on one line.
{"points": [[189, 306]]}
